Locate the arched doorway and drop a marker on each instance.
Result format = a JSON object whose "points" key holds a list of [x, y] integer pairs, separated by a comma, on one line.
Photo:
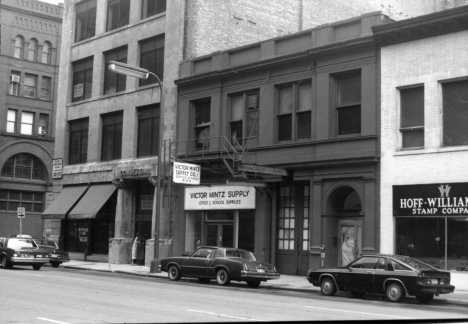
{"points": [[343, 223]]}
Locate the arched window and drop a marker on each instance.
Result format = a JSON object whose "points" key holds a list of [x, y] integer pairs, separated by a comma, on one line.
{"points": [[18, 47], [32, 50], [23, 166], [46, 53]]}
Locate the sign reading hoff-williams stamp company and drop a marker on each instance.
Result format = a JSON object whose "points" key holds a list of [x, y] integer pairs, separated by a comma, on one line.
{"points": [[445, 199], [219, 197]]}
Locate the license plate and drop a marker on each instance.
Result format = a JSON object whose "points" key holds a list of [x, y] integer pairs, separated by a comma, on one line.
{"points": [[434, 281], [261, 270], [29, 256], [38, 255], [54, 255]]}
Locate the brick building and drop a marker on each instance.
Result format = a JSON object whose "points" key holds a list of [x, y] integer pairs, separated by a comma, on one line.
{"points": [[29, 55], [424, 133]]}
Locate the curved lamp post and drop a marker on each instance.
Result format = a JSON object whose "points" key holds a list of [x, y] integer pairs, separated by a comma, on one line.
{"points": [[137, 72]]}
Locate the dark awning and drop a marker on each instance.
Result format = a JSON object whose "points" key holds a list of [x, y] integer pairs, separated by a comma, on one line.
{"points": [[64, 202], [96, 196]]}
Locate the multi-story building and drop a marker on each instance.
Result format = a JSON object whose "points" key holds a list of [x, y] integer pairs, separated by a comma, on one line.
{"points": [[424, 141], [29, 55], [108, 125]]}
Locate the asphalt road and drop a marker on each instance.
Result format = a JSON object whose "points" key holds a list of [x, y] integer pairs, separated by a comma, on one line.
{"points": [[74, 296]]}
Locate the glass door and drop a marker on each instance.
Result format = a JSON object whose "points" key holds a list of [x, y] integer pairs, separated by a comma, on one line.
{"points": [[219, 234]]}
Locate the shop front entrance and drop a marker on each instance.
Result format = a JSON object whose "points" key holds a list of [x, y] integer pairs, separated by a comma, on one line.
{"points": [[220, 228], [350, 233]]}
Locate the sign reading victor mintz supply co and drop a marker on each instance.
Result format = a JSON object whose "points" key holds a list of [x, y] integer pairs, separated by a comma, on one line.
{"points": [[186, 173]]}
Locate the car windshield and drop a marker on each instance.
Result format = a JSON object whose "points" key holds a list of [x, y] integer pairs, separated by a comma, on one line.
{"points": [[21, 243], [240, 254], [414, 263]]}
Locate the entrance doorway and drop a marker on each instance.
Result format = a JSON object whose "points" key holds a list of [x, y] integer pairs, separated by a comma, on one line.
{"points": [[220, 228], [293, 229], [350, 234]]}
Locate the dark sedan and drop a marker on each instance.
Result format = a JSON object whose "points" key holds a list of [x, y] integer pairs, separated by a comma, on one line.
{"points": [[22, 252], [222, 264], [56, 255], [393, 275]]}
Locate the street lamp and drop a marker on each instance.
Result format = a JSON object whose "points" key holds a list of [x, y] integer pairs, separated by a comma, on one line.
{"points": [[140, 73]]}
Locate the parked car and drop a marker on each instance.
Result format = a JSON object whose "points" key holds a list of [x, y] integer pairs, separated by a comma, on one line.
{"points": [[222, 264], [23, 252], [56, 255], [393, 275]]}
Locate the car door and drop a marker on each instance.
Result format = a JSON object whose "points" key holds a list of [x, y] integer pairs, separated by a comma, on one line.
{"points": [[360, 275], [197, 263]]}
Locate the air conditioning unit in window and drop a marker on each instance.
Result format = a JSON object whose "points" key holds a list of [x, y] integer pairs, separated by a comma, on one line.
{"points": [[42, 131], [14, 78]]}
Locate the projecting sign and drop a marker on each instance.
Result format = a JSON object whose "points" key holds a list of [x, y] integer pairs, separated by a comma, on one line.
{"points": [[57, 168], [186, 173], [219, 197]]}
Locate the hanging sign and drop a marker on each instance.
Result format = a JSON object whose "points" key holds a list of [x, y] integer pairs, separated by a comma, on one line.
{"points": [[186, 173], [57, 168], [219, 197]]}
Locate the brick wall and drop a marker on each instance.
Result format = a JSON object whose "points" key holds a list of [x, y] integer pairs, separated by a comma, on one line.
{"points": [[427, 61]]}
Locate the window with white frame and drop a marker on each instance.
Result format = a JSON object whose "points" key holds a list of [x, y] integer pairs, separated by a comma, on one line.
{"points": [[27, 122], [412, 117], [11, 121]]}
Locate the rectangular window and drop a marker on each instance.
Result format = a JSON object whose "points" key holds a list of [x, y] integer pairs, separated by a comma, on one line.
{"points": [[43, 125], [30, 84], [85, 20], [152, 7], [112, 136], [82, 79], [244, 119], [15, 78], [118, 13], [148, 131], [152, 58], [45, 88], [295, 111], [32, 201], [115, 82], [27, 122], [412, 117], [348, 108], [455, 113], [78, 141], [11, 121], [202, 110]]}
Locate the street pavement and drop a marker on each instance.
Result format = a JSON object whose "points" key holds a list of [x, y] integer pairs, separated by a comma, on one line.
{"points": [[287, 282]]}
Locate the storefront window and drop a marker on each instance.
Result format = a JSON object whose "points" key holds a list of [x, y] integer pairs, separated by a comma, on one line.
{"points": [[246, 239], [193, 233]]}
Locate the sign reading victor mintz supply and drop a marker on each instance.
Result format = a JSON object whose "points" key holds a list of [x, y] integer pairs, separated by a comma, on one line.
{"points": [[219, 197]]}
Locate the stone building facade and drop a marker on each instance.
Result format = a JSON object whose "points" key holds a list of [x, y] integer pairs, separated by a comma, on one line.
{"points": [[29, 55]]}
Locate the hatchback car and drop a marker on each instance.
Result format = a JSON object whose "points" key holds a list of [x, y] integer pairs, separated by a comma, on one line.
{"points": [[56, 255], [222, 264], [22, 252], [393, 275]]}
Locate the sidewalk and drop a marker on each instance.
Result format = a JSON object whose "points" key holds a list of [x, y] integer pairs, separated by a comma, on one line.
{"points": [[286, 282]]}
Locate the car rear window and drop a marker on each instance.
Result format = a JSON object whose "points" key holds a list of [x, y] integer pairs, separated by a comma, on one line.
{"points": [[415, 263]]}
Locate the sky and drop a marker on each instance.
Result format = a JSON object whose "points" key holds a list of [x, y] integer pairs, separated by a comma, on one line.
{"points": [[53, 1]]}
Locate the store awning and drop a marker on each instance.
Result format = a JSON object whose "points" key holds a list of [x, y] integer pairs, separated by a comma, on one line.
{"points": [[96, 196], [64, 202]]}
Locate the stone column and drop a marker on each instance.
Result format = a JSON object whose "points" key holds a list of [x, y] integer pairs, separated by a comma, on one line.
{"points": [[120, 247], [369, 216], [315, 222]]}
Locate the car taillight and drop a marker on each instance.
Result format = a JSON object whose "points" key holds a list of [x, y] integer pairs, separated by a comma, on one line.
{"points": [[424, 280], [246, 267], [445, 281]]}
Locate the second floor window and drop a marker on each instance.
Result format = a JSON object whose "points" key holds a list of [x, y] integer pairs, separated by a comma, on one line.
{"points": [[10, 200], [115, 82], [45, 88], [43, 126], [202, 112], [348, 104], [244, 119], [85, 20], [78, 141], [82, 79], [111, 136], [455, 113], [152, 58], [30, 84], [152, 7], [27, 123], [23, 166], [412, 117], [118, 12], [148, 131], [11, 121]]}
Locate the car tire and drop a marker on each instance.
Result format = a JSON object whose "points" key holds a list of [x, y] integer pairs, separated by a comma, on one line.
{"points": [[37, 267], [395, 292], [173, 273], [425, 298], [328, 287], [55, 264], [222, 277], [358, 294], [253, 284], [4, 262], [204, 280]]}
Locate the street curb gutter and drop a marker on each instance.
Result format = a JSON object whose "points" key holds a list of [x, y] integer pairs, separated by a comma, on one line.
{"points": [[445, 301]]}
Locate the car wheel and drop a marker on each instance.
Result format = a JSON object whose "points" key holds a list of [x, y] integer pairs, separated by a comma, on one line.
{"points": [[254, 284], [174, 273], [425, 298], [4, 262], [222, 277], [55, 264], [395, 292], [358, 294], [37, 266], [328, 287], [204, 280]]}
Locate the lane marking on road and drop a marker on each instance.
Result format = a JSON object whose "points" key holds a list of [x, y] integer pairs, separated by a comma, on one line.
{"points": [[362, 313], [224, 315], [72, 278], [49, 320]]}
